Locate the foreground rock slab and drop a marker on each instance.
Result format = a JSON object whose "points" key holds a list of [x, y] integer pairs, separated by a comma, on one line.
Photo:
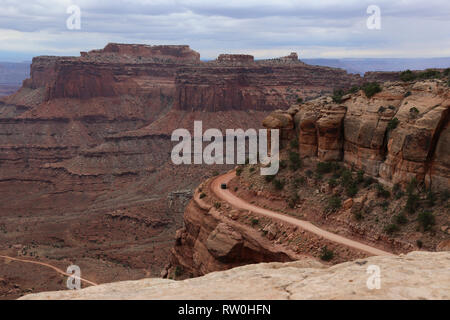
{"points": [[417, 275]]}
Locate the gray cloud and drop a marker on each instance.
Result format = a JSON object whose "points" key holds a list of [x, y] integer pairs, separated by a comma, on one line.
{"points": [[326, 28]]}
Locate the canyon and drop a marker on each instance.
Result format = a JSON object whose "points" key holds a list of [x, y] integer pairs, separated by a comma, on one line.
{"points": [[85, 170], [86, 176]]}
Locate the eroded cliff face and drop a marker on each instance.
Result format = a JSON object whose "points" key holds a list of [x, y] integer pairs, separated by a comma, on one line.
{"points": [[396, 135], [85, 143]]}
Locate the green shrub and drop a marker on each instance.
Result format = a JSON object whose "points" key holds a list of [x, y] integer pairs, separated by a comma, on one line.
{"points": [[334, 203], [431, 198], [346, 178], [217, 205], [299, 100], [251, 169], [178, 271], [326, 254], [446, 72], [299, 181], [254, 221], [407, 94], [391, 228], [202, 195], [238, 171], [309, 173], [337, 95], [360, 176], [296, 162], [294, 143], [324, 167], [400, 219], [381, 192], [392, 124], [407, 76], [283, 164], [358, 215], [353, 89], [351, 189], [215, 173], [269, 178], [371, 88], [419, 243], [426, 220], [278, 184], [445, 195], [332, 183], [429, 74], [412, 203], [369, 181]]}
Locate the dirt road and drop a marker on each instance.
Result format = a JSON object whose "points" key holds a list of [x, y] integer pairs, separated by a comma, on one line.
{"points": [[48, 266], [237, 202]]}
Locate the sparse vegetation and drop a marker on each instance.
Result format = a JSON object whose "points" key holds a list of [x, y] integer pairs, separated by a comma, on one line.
{"points": [[392, 124], [178, 271], [407, 76], [426, 220], [294, 143], [419, 243], [238, 171], [337, 95], [295, 161], [326, 254], [254, 221], [371, 88], [324, 167], [400, 219], [202, 195], [334, 203], [269, 178], [391, 228], [382, 192], [299, 100], [217, 205], [278, 184]]}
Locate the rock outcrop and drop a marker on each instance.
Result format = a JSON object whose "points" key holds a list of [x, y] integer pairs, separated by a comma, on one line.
{"points": [[396, 135], [417, 275]]}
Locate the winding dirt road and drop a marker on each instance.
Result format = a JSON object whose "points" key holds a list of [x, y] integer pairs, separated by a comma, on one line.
{"points": [[48, 266], [237, 202]]}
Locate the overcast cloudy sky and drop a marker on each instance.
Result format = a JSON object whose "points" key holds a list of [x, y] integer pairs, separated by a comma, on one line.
{"points": [[314, 28]]}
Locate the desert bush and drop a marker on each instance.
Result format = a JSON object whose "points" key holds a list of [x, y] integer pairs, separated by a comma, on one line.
{"points": [[400, 219], [391, 228], [254, 221], [407, 76], [295, 161], [299, 181], [178, 271], [371, 88], [429, 74], [426, 220], [358, 215], [217, 205], [299, 100], [326, 254], [337, 95], [392, 124], [238, 171], [332, 182], [351, 189], [269, 178], [278, 184], [202, 195], [412, 203], [382, 192], [346, 178], [294, 143], [324, 167], [360, 176], [431, 198], [334, 203]]}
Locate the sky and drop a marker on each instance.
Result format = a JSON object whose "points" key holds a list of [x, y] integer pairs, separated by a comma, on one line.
{"points": [[265, 29]]}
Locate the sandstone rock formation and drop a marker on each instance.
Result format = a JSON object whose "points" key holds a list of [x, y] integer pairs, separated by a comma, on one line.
{"points": [[396, 135], [85, 150], [417, 275]]}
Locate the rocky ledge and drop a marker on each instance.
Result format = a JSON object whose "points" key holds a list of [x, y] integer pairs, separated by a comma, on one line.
{"points": [[417, 275]]}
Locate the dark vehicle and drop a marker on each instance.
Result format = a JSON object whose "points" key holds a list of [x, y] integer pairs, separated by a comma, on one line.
{"points": [[223, 186]]}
